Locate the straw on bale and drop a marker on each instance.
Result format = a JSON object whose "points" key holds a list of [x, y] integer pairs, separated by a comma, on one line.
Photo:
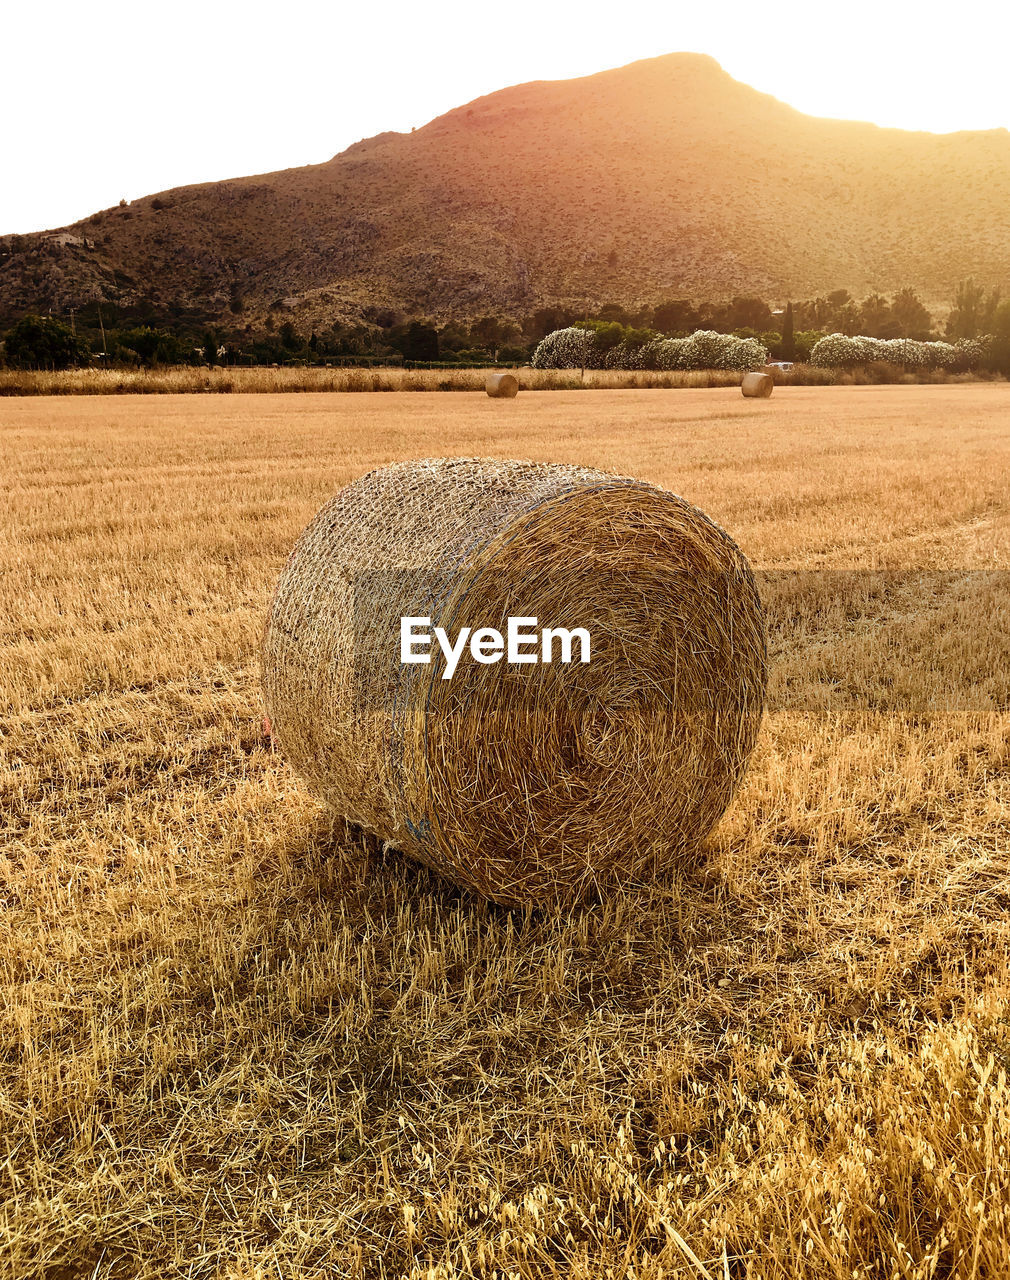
{"points": [[533, 781], [757, 384], [502, 386]]}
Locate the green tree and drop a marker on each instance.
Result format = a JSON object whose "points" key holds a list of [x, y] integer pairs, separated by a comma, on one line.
{"points": [[963, 320], [38, 342], [491, 331], [290, 339], [787, 346], [910, 316], [835, 313], [843, 312], [973, 313], [608, 333], [153, 346], [806, 340], [998, 355], [487, 331], [635, 338], [210, 347], [748, 313], [546, 320], [613, 313], [875, 317], [990, 309], [675, 317], [452, 337], [420, 341]]}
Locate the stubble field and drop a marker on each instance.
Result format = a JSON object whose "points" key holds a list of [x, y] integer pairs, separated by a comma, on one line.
{"points": [[237, 1040]]}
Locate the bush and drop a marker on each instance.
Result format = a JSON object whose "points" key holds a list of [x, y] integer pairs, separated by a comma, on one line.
{"points": [[152, 346], [592, 347], [607, 334], [44, 343], [835, 351], [972, 352], [707, 349], [803, 343], [569, 348], [624, 356], [838, 351]]}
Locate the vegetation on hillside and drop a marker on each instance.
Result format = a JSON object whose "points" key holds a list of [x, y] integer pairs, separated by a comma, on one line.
{"points": [[607, 344], [676, 334]]}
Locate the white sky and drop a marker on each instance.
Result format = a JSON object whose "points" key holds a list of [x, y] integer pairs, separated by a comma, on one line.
{"points": [[123, 98]]}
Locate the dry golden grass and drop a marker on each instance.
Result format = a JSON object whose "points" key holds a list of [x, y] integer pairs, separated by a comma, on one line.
{"points": [[239, 1041], [266, 379], [176, 380]]}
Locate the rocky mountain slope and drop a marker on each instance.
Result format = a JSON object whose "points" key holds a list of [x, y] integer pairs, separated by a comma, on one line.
{"points": [[662, 178]]}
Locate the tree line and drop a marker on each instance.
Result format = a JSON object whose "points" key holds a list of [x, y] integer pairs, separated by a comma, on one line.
{"points": [[107, 334]]}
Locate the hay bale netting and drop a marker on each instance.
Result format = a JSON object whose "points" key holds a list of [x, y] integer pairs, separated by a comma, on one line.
{"points": [[501, 386], [757, 384], [528, 781]]}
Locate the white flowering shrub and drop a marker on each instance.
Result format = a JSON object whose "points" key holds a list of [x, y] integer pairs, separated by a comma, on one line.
{"points": [[971, 351], [649, 354], [838, 351], [627, 356], [747, 353], [868, 349], [667, 354], [704, 350], [946, 355], [913, 355], [707, 349], [835, 351], [575, 348], [566, 349], [916, 355]]}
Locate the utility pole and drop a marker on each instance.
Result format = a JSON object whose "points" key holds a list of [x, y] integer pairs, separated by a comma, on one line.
{"points": [[101, 324]]}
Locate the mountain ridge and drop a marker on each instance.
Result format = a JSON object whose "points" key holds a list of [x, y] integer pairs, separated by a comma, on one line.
{"points": [[662, 178]]}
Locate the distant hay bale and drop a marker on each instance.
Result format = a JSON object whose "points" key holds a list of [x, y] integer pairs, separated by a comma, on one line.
{"points": [[502, 386], [757, 384], [534, 781]]}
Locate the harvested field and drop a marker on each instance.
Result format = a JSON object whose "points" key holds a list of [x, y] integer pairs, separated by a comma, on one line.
{"points": [[239, 1041]]}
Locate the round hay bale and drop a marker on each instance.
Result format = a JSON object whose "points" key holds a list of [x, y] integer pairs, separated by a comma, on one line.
{"points": [[757, 384], [523, 780], [501, 386]]}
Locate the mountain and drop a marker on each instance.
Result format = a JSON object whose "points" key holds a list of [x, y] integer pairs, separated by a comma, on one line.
{"points": [[665, 178]]}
